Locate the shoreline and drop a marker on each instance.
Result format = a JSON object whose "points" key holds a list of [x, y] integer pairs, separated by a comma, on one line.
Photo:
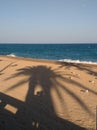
{"points": [[49, 91], [50, 60]]}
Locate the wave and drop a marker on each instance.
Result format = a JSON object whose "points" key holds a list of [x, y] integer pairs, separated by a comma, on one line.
{"points": [[12, 55], [77, 61], [61, 60]]}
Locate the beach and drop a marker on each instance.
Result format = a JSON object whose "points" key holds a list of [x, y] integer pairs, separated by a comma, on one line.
{"points": [[47, 95]]}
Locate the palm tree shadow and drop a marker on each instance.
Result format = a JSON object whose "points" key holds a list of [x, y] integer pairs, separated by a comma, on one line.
{"points": [[37, 112]]}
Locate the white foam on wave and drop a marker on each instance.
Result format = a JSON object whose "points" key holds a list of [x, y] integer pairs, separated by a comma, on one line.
{"points": [[12, 55], [77, 61]]}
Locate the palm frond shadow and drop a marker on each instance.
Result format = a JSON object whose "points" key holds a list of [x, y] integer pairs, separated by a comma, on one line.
{"points": [[1, 71], [38, 108], [82, 67], [6, 67]]}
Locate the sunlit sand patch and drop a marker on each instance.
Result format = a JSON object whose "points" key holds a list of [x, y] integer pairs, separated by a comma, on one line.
{"points": [[38, 90], [35, 124], [11, 108]]}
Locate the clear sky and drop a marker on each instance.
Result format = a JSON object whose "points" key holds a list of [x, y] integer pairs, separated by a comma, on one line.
{"points": [[48, 21]]}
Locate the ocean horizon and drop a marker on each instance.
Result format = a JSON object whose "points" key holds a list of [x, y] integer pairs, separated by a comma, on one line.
{"points": [[71, 52]]}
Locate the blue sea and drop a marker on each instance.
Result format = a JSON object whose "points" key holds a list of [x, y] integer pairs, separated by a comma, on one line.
{"points": [[63, 52]]}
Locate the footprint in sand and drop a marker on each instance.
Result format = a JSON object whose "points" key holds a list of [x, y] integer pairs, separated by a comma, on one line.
{"points": [[84, 90], [1, 73], [91, 81]]}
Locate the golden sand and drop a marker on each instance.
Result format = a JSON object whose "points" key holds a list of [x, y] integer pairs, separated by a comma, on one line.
{"points": [[47, 95]]}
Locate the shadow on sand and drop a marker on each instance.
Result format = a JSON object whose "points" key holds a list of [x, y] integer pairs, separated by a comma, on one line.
{"points": [[37, 112]]}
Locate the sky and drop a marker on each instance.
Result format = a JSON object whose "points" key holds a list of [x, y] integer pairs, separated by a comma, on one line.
{"points": [[48, 21]]}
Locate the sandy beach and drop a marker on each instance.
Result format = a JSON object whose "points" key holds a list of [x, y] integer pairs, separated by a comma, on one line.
{"points": [[47, 95]]}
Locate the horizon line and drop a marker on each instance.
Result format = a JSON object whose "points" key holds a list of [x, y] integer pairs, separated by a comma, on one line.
{"points": [[49, 43]]}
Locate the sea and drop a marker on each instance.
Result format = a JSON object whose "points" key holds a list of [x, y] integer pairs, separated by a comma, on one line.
{"points": [[84, 53]]}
